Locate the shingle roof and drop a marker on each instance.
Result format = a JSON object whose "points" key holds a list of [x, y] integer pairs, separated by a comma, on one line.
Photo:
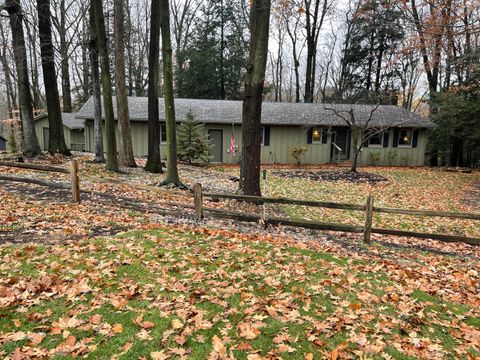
{"points": [[228, 111], [69, 120]]}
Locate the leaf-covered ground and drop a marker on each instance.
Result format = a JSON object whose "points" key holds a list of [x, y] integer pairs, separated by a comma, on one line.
{"points": [[405, 188], [179, 293], [70, 288]]}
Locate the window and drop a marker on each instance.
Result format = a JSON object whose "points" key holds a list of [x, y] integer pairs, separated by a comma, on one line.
{"points": [[163, 134], [405, 137], [317, 135], [265, 136], [376, 139]]}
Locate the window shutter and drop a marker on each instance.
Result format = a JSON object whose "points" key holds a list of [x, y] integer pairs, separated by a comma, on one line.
{"points": [[415, 138], [266, 140], [386, 137], [365, 136], [310, 136], [395, 137], [324, 136]]}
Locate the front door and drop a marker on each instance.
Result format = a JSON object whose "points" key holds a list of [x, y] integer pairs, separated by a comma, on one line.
{"points": [[341, 138], [216, 150]]}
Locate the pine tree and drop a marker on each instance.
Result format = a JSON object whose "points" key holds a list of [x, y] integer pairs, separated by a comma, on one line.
{"points": [[193, 142], [215, 60]]}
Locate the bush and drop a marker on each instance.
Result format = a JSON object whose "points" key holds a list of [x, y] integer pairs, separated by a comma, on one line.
{"points": [[192, 141], [297, 153], [404, 159], [391, 156], [375, 157]]}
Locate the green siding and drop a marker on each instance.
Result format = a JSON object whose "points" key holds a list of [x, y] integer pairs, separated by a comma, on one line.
{"points": [[71, 136], [405, 155], [43, 123], [282, 139]]}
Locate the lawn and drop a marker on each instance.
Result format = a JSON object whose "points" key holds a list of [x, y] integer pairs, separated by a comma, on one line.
{"points": [[167, 292], [405, 188]]}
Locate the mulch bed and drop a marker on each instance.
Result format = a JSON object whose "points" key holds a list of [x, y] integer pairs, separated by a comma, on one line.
{"points": [[359, 177]]}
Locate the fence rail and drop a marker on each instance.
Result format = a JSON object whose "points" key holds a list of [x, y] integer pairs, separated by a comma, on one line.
{"points": [[73, 171], [368, 208]]}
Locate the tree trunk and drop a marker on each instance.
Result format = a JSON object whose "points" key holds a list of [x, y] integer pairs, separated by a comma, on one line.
{"points": [[126, 157], [129, 49], [112, 161], [30, 142], [154, 163], [313, 25], [96, 93], [222, 52], [252, 102], [56, 140], [11, 100], [172, 169], [296, 62], [65, 70], [86, 85], [37, 94], [356, 149]]}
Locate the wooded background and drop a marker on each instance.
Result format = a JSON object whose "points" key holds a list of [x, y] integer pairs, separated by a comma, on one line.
{"points": [[421, 54]]}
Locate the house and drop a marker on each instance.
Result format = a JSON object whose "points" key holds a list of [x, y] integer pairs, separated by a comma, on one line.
{"points": [[3, 143], [73, 130], [399, 135]]}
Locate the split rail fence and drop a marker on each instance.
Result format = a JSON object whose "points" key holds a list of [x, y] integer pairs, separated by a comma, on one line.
{"points": [[369, 209], [73, 171], [198, 196]]}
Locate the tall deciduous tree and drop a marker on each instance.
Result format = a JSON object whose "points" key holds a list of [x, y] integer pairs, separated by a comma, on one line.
{"points": [[96, 91], [292, 25], [112, 160], [314, 17], [30, 141], [56, 141], [154, 163], [172, 169], [126, 157], [252, 102]]}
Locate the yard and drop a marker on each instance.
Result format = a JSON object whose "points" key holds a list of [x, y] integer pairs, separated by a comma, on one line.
{"points": [[110, 278]]}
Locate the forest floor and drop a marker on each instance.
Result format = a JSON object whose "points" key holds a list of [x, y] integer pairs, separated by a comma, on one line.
{"points": [[174, 286]]}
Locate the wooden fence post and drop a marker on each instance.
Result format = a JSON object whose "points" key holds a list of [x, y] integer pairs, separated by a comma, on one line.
{"points": [[368, 220], [75, 182], [198, 200]]}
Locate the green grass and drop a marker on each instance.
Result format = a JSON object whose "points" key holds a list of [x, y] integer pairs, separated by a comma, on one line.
{"points": [[405, 188], [195, 287]]}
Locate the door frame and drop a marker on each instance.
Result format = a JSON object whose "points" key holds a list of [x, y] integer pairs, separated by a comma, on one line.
{"points": [[221, 143], [346, 152]]}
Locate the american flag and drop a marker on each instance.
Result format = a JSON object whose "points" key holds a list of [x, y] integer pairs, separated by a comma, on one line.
{"points": [[232, 144]]}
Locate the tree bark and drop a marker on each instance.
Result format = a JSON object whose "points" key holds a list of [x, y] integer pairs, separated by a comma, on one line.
{"points": [[252, 102], [65, 70], [56, 140], [96, 93], [126, 157], [29, 138], [313, 25], [296, 61], [154, 163], [37, 94], [11, 99], [172, 169], [112, 161]]}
